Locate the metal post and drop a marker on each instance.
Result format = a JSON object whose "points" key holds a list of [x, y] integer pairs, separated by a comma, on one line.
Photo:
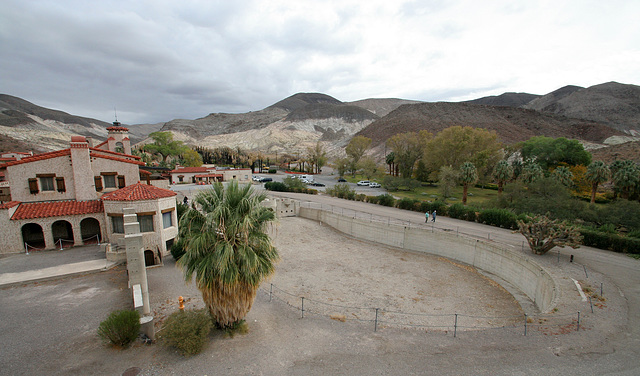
{"points": [[489, 236], [455, 326], [578, 328], [270, 291], [525, 324], [585, 271], [591, 304], [303, 307], [26, 248], [601, 292], [558, 255], [375, 328]]}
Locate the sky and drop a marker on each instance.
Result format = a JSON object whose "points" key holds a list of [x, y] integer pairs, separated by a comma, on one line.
{"points": [[157, 60]]}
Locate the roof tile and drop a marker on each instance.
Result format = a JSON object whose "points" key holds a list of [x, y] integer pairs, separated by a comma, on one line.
{"points": [[31, 210], [138, 192]]}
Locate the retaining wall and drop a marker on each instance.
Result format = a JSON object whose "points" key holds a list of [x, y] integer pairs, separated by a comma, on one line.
{"points": [[517, 269]]}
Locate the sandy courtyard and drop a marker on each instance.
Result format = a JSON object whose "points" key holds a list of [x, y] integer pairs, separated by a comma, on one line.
{"points": [[346, 278]]}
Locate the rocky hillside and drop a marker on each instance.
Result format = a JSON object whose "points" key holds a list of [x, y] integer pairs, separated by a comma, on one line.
{"points": [[511, 124], [612, 103], [506, 99]]}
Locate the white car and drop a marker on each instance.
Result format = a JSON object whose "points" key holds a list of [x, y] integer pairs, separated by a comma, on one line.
{"points": [[373, 184], [363, 182]]}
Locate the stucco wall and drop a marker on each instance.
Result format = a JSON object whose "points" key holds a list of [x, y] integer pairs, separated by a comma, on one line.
{"points": [[155, 240], [517, 269], [18, 176]]}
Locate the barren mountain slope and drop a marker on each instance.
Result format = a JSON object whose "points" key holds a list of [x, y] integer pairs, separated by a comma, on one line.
{"points": [[382, 106], [612, 103], [511, 124], [627, 150], [506, 99]]}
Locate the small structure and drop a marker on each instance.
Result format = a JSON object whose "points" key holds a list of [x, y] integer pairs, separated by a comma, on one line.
{"points": [[209, 175]]}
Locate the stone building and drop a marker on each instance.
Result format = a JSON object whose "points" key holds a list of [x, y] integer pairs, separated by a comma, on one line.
{"points": [[65, 197]]}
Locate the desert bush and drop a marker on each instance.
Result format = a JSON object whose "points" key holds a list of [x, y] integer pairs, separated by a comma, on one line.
{"points": [[275, 186], [120, 328], [360, 197], [372, 199], [499, 217], [406, 203], [238, 327], [341, 190], [187, 331], [386, 200], [460, 211]]}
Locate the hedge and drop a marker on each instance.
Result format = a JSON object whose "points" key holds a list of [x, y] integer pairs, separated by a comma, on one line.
{"points": [[504, 218], [612, 242]]}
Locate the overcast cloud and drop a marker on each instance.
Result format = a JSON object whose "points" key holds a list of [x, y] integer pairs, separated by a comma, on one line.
{"points": [[159, 60]]}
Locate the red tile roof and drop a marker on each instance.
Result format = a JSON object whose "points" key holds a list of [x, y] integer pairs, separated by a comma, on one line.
{"points": [[100, 144], [39, 157], [190, 170], [138, 192], [9, 204], [31, 210], [139, 163], [209, 176], [122, 129]]}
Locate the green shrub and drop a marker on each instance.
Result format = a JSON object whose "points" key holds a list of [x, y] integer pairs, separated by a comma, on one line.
{"points": [[460, 211], [342, 190], [634, 234], [438, 205], [372, 199], [386, 200], [609, 228], [272, 170], [238, 327], [360, 197], [612, 242], [406, 203], [499, 217], [187, 331], [120, 328], [275, 186], [177, 249]]}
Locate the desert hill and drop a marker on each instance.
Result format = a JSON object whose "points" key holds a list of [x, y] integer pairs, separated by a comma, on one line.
{"points": [[511, 124], [611, 103], [506, 99]]}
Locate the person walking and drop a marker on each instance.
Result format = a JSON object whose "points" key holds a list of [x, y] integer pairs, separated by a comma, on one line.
{"points": [[427, 217], [433, 216]]}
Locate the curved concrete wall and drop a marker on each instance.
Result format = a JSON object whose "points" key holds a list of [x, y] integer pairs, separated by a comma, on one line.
{"points": [[514, 268]]}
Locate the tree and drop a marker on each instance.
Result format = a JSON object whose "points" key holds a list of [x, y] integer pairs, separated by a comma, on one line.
{"points": [[563, 175], [626, 178], [597, 173], [356, 149], [531, 172], [455, 145], [317, 156], [549, 152], [422, 171], [369, 167], [227, 249], [164, 145], [503, 172], [543, 234], [342, 165], [390, 159], [447, 179], [468, 176], [191, 158], [407, 149]]}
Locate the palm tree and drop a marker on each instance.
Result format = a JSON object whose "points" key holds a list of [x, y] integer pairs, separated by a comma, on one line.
{"points": [[597, 173], [502, 173], [468, 175], [563, 175], [227, 249], [627, 177], [531, 172]]}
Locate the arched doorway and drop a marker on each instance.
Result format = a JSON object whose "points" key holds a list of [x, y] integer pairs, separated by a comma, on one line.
{"points": [[149, 258], [33, 236], [90, 230], [62, 232]]}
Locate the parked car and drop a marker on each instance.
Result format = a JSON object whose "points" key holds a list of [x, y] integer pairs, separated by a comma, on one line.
{"points": [[316, 184], [342, 180], [264, 180], [363, 182], [256, 178], [373, 184]]}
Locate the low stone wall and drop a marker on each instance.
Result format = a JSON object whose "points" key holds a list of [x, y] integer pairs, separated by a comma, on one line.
{"points": [[517, 269]]}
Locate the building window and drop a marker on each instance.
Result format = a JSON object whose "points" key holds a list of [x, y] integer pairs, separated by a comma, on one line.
{"points": [[46, 184], [109, 181], [167, 219], [118, 224], [146, 223]]}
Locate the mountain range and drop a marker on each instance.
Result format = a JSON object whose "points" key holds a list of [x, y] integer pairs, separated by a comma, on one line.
{"points": [[599, 116]]}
